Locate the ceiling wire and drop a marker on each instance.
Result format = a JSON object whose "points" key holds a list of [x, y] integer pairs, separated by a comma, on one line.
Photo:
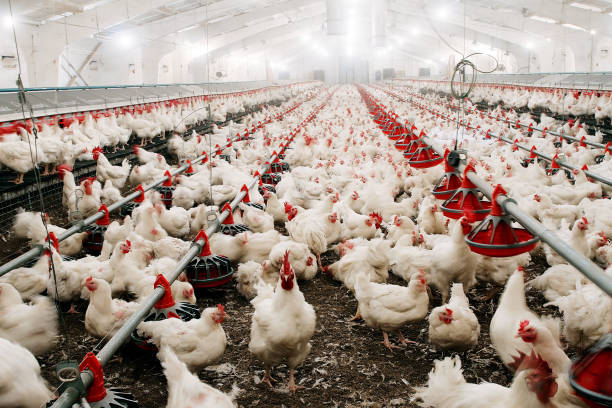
{"points": [[34, 157]]}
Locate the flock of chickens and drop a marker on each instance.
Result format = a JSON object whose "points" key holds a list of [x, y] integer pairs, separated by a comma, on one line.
{"points": [[64, 140], [350, 191], [576, 102]]}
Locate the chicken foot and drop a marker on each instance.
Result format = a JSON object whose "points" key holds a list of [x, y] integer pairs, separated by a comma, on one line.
{"points": [[387, 343], [18, 179], [72, 309], [291, 384], [268, 378], [319, 261], [404, 340], [357, 315]]}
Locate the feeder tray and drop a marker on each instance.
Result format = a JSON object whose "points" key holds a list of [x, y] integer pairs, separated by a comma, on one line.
{"points": [[228, 227], [263, 187], [97, 395], [247, 200], [270, 178], [128, 208], [226, 157], [590, 375], [166, 190], [496, 237], [279, 167], [397, 132], [165, 308], [402, 144], [95, 233], [208, 270], [424, 157], [467, 199], [449, 182], [600, 158], [281, 156], [413, 146]]}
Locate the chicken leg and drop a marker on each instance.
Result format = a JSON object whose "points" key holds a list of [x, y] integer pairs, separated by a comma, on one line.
{"points": [[387, 343], [18, 179], [291, 384], [357, 315], [403, 340], [268, 378], [319, 261], [72, 309]]}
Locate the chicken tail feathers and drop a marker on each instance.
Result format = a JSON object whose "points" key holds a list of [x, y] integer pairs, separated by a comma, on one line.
{"points": [[445, 376]]}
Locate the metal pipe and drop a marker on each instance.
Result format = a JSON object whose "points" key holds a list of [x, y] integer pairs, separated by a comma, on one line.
{"points": [[70, 395]]}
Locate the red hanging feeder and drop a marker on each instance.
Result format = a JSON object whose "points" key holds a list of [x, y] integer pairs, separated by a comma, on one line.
{"points": [[127, 208], [424, 157], [413, 146], [247, 200], [591, 374], [467, 199], [208, 270], [166, 190], [95, 233], [496, 237], [449, 182]]}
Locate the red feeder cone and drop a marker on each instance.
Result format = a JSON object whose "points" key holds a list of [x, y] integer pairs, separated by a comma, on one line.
{"points": [[449, 182], [94, 239], [591, 374], [127, 208], [165, 308], [208, 270], [247, 200], [228, 227], [467, 199], [496, 237], [97, 395], [166, 190]]}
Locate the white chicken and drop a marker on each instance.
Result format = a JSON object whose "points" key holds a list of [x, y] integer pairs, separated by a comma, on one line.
{"points": [[282, 325], [105, 315], [21, 384], [454, 325], [389, 307], [197, 342], [33, 326]]}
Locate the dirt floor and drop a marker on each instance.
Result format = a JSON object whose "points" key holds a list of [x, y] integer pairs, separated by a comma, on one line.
{"points": [[348, 365]]}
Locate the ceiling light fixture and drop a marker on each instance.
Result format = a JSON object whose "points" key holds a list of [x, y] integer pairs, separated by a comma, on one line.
{"points": [[586, 7], [442, 12], [191, 27], [8, 21], [544, 19], [573, 27], [593, 32]]}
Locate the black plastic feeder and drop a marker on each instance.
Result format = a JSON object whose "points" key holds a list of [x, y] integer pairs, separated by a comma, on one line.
{"points": [[128, 208], [95, 233], [165, 308], [166, 190], [99, 396], [208, 270], [247, 200], [228, 227]]}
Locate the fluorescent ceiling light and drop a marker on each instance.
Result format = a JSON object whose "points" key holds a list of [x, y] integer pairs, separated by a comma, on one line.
{"points": [[586, 7], [191, 27], [441, 12], [593, 32], [573, 27], [544, 19]]}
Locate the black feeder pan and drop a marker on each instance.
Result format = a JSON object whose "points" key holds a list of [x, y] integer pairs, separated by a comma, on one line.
{"points": [[279, 167], [226, 157], [255, 205], [281, 156], [165, 308], [233, 229], [590, 375], [262, 188], [127, 208], [95, 239], [270, 178], [166, 195], [208, 270], [115, 398]]}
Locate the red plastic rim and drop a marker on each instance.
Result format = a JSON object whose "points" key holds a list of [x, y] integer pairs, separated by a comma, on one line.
{"points": [[442, 194], [527, 243], [210, 284], [424, 164]]}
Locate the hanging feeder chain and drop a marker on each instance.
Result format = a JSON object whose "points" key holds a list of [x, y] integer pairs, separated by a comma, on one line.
{"points": [[71, 394]]}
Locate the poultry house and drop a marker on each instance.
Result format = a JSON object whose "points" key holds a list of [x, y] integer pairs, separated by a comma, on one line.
{"points": [[336, 189]]}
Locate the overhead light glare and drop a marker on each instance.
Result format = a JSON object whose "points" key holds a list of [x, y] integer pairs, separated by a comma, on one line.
{"points": [[573, 27], [586, 7], [442, 12], [593, 32], [124, 40], [8, 21], [543, 19], [529, 45], [548, 39], [415, 31], [191, 27]]}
